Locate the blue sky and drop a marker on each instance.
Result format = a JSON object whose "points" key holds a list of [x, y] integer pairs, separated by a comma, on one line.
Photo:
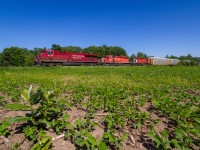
{"points": [[155, 27]]}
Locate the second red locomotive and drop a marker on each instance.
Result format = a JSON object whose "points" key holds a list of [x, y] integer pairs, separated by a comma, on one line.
{"points": [[114, 60]]}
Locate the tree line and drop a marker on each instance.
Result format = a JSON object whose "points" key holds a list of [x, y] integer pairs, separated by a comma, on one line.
{"points": [[16, 56], [101, 51], [187, 60]]}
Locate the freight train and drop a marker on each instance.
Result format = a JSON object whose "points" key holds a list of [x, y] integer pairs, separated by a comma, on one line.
{"points": [[54, 57]]}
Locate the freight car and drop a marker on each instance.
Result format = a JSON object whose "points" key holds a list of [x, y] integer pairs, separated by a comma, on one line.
{"points": [[158, 61], [53, 57], [173, 61], [163, 61]]}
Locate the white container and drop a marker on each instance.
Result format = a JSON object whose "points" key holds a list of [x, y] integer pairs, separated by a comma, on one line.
{"points": [[173, 61], [159, 61]]}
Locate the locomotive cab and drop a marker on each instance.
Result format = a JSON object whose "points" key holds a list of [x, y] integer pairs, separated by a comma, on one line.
{"points": [[49, 52]]}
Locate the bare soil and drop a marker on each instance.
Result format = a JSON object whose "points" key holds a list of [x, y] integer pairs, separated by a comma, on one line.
{"points": [[18, 140], [137, 139]]}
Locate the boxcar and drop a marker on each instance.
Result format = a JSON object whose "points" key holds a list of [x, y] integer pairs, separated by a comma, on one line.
{"points": [[173, 61], [158, 61], [163, 61]]}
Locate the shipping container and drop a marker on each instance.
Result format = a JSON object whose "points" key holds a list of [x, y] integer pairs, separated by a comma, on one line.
{"points": [[159, 61], [173, 61]]}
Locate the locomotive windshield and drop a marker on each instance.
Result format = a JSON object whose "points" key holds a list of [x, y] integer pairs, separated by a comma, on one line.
{"points": [[50, 53]]}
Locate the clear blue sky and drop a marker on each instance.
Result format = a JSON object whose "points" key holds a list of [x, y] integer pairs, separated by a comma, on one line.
{"points": [[155, 27]]}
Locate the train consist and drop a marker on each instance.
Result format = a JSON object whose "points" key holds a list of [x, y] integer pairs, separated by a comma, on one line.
{"points": [[54, 57]]}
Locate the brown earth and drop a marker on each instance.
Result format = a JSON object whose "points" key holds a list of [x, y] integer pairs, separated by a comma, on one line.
{"points": [[137, 138]]}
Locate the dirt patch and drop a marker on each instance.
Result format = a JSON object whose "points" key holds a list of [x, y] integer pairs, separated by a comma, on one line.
{"points": [[86, 98], [15, 141], [4, 99], [193, 92], [136, 138], [3, 113], [60, 144], [26, 145], [162, 121], [67, 79], [17, 138], [75, 113], [13, 114], [3, 147], [99, 115], [140, 135], [138, 146], [66, 95], [98, 132], [162, 124], [147, 106]]}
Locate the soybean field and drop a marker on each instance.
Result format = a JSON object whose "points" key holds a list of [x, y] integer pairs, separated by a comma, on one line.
{"points": [[100, 107]]}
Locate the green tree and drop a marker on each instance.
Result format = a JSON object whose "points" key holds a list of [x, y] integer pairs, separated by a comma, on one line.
{"points": [[29, 57], [172, 57], [101, 51], [197, 59], [189, 60], [116, 50], [105, 50], [71, 49], [1, 59], [35, 51], [141, 55], [91, 50], [55, 47], [189, 57], [13, 56]]}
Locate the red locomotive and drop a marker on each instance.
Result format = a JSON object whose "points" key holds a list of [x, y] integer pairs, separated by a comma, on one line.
{"points": [[54, 57], [109, 59], [141, 61]]}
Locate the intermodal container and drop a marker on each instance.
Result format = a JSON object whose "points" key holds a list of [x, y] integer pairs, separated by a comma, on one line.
{"points": [[159, 61]]}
